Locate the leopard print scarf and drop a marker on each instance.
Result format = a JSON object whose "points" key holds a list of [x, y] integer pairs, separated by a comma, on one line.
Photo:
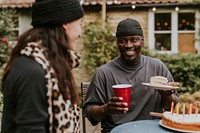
{"points": [[63, 116]]}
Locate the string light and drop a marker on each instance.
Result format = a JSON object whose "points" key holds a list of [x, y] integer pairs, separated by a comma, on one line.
{"points": [[154, 9], [177, 8], [133, 7]]}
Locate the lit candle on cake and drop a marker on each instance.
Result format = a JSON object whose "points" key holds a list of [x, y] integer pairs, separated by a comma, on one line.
{"points": [[189, 108], [196, 108], [183, 109], [172, 107], [177, 108]]}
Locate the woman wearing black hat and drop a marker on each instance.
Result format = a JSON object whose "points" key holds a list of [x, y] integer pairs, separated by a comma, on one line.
{"points": [[38, 86]]}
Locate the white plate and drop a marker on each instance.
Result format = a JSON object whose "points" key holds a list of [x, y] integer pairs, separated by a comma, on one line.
{"points": [[178, 130], [163, 87]]}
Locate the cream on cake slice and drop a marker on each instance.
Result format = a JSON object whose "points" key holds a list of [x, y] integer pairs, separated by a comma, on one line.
{"points": [[158, 81]]}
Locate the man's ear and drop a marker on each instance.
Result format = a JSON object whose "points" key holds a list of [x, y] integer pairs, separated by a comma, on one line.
{"points": [[142, 40]]}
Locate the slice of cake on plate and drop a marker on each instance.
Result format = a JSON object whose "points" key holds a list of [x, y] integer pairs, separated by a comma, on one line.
{"points": [[158, 81]]}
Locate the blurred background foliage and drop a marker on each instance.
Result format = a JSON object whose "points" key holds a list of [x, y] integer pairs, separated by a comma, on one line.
{"points": [[6, 25], [99, 46], [185, 68], [6, 22]]}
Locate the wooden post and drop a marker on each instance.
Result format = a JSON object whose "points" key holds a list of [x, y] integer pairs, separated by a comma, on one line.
{"points": [[103, 13], [103, 27]]}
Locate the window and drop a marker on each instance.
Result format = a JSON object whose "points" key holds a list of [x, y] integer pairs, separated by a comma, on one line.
{"points": [[171, 31], [162, 29], [186, 21], [163, 42], [162, 21], [186, 32]]}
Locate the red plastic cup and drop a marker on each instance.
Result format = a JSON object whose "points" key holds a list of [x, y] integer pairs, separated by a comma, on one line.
{"points": [[124, 91]]}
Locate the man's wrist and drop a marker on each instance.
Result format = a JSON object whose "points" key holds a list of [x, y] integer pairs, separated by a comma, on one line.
{"points": [[170, 97], [105, 109]]}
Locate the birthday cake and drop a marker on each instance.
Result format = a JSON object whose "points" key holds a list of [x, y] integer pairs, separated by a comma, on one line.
{"points": [[158, 81], [189, 122]]}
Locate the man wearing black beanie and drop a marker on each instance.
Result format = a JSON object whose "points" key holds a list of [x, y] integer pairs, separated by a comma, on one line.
{"points": [[40, 95], [131, 67]]}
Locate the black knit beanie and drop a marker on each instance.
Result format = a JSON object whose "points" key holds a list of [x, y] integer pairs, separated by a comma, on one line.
{"points": [[129, 27], [55, 12]]}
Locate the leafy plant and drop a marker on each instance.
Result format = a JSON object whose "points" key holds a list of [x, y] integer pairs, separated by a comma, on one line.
{"points": [[1, 95], [100, 46], [185, 68], [4, 50], [6, 24]]}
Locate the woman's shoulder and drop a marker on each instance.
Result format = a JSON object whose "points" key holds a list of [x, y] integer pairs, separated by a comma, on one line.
{"points": [[26, 66], [27, 62], [25, 71]]}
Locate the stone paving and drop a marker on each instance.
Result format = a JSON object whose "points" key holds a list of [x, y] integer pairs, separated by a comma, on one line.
{"points": [[90, 128]]}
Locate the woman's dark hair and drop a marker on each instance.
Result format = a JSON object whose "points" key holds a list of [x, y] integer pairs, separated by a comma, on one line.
{"points": [[54, 39]]}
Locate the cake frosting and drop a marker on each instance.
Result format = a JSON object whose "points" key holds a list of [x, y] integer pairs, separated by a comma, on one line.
{"points": [[180, 118], [158, 81], [182, 121]]}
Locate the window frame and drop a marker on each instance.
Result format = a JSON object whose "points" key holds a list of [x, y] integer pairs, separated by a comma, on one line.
{"points": [[174, 29], [16, 28]]}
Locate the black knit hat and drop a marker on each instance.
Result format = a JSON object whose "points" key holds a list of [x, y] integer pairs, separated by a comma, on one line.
{"points": [[55, 12], [129, 27]]}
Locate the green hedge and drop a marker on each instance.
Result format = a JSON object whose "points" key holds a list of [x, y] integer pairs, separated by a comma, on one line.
{"points": [[99, 46], [185, 68]]}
